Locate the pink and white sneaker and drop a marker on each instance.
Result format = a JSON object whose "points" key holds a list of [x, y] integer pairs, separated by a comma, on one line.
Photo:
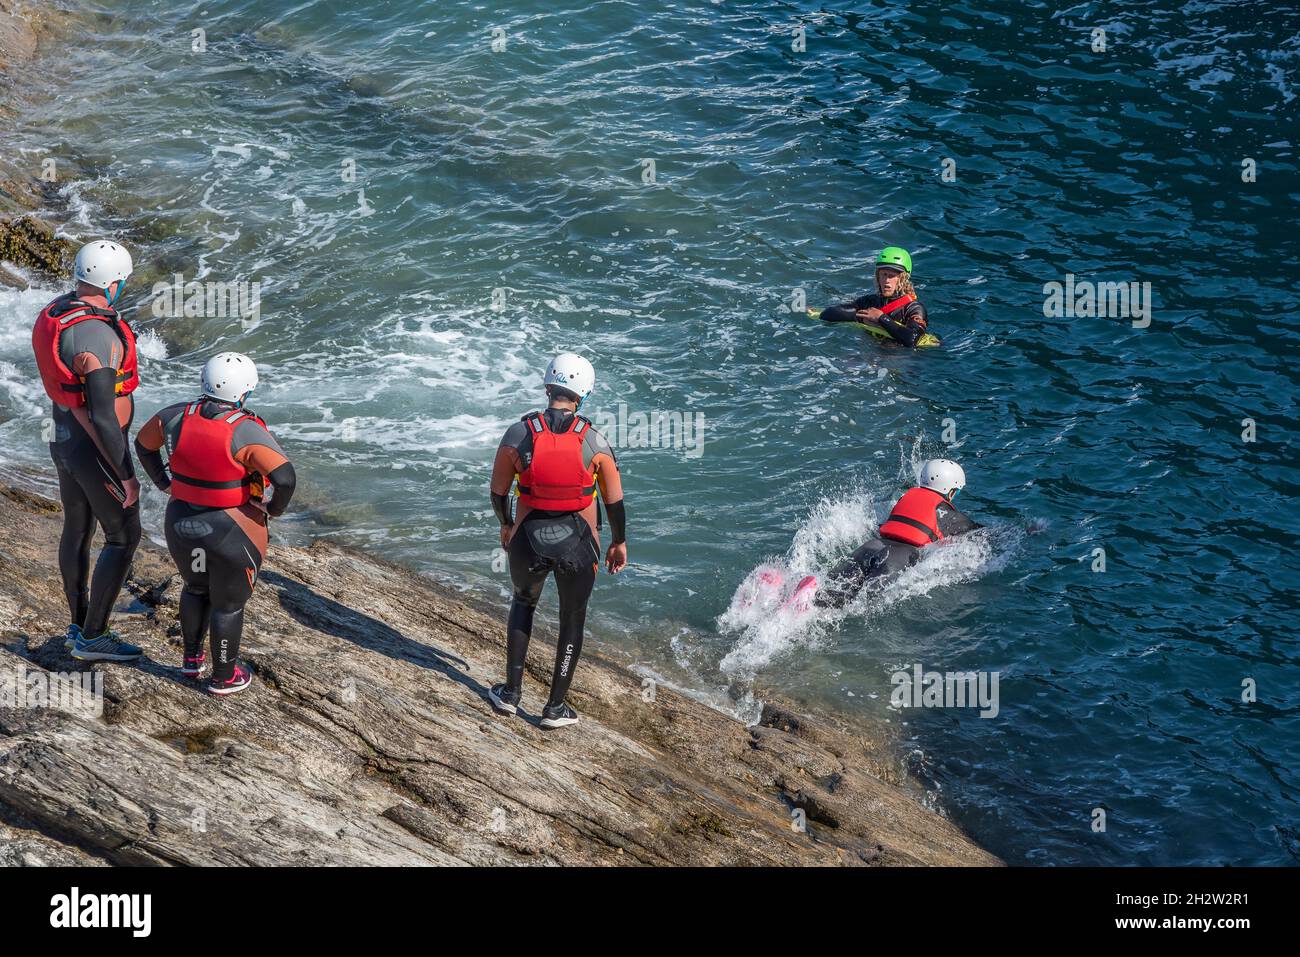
{"points": [[801, 601], [193, 667], [238, 681]]}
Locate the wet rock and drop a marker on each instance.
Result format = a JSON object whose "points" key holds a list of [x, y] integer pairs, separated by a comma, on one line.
{"points": [[368, 739]]}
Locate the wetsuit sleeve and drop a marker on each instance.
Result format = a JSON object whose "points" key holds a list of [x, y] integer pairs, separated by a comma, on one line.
{"points": [[148, 446], [847, 311], [285, 481], [611, 491], [508, 462], [101, 407], [911, 328], [953, 522], [617, 514], [253, 447]]}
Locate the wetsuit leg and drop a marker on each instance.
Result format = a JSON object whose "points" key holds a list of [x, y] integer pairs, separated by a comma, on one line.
{"points": [[528, 590], [901, 555], [74, 543], [575, 590], [195, 609], [103, 493], [231, 585], [183, 538], [873, 559], [220, 565]]}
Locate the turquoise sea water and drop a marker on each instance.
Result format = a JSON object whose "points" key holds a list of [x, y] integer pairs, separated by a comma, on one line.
{"points": [[501, 212]]}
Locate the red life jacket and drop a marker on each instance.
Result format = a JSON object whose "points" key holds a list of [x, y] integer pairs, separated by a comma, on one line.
{"points": [[203, 470], [62, 384], [915, 519], [556, 477]]}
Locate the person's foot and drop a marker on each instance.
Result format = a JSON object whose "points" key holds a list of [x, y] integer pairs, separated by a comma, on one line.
{"points": [[804, 594], [503, 699], [238, 681], [107, 647], [70, 639], [193, 666], [558, 715]]}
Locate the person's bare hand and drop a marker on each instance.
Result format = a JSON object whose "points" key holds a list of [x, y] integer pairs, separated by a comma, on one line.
{"points": [[869, 315], [506, 534], [616, 558], [132, 487]]}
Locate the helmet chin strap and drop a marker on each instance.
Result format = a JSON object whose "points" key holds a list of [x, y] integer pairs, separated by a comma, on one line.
{"points": [[121, 284]]}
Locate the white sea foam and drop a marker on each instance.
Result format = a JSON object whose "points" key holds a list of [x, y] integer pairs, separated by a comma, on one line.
{"points": [[768, 625]]}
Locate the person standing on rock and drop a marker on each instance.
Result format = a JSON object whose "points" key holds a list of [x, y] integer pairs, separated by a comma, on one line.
{"points": [[221, 459], [558, 459], [86, 356]]}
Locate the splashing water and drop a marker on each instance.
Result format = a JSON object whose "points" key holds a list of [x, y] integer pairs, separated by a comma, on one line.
{"points": [[771, 611]]}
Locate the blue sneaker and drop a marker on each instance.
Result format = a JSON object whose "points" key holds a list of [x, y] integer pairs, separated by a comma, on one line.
{"points": [[72, 637], [107, 647]]}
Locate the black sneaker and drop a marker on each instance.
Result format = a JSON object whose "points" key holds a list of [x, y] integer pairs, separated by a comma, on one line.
{"points": [[557, 716], [503, 699]]}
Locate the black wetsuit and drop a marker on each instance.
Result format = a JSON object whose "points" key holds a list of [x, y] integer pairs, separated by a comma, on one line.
{"points": [[549, 542], [880, 557], [906, 325], [92, 467], [533, 556], [218, 551]]}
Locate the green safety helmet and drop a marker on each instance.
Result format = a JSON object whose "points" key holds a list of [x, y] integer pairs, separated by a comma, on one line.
{"points": [[895, 256]]}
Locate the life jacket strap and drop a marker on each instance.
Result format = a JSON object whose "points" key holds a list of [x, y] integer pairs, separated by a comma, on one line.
{"points": [[920, 526], [203, 483], [902, 301]]}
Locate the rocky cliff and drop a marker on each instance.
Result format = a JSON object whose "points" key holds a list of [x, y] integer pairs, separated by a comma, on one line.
{"points": [[368, 739]]}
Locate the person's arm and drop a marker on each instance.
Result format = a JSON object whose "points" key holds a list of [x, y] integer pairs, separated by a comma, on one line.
{"points": [[846, 311], [148, 447], [253, 447], [284, 480], [611, 493], [504, 469], [910, 330], [953, 522], [101, 408]]}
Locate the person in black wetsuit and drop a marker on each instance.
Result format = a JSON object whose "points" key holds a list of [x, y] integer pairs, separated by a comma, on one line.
{"points": [[559, 459], [220, 460], [923, 515], [86, 356], [894, 306]]}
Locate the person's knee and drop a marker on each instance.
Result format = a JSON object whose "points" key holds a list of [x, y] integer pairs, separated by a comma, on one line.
{"points": [[526, 598], [126, 534]]}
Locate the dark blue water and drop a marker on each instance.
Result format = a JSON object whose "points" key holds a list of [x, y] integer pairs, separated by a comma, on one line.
{"points": [[390, 376]]}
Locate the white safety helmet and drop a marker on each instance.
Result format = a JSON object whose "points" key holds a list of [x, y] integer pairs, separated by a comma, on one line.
{"points": [[102, 263], [228, 376], [572, 373], [943, 476]]}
